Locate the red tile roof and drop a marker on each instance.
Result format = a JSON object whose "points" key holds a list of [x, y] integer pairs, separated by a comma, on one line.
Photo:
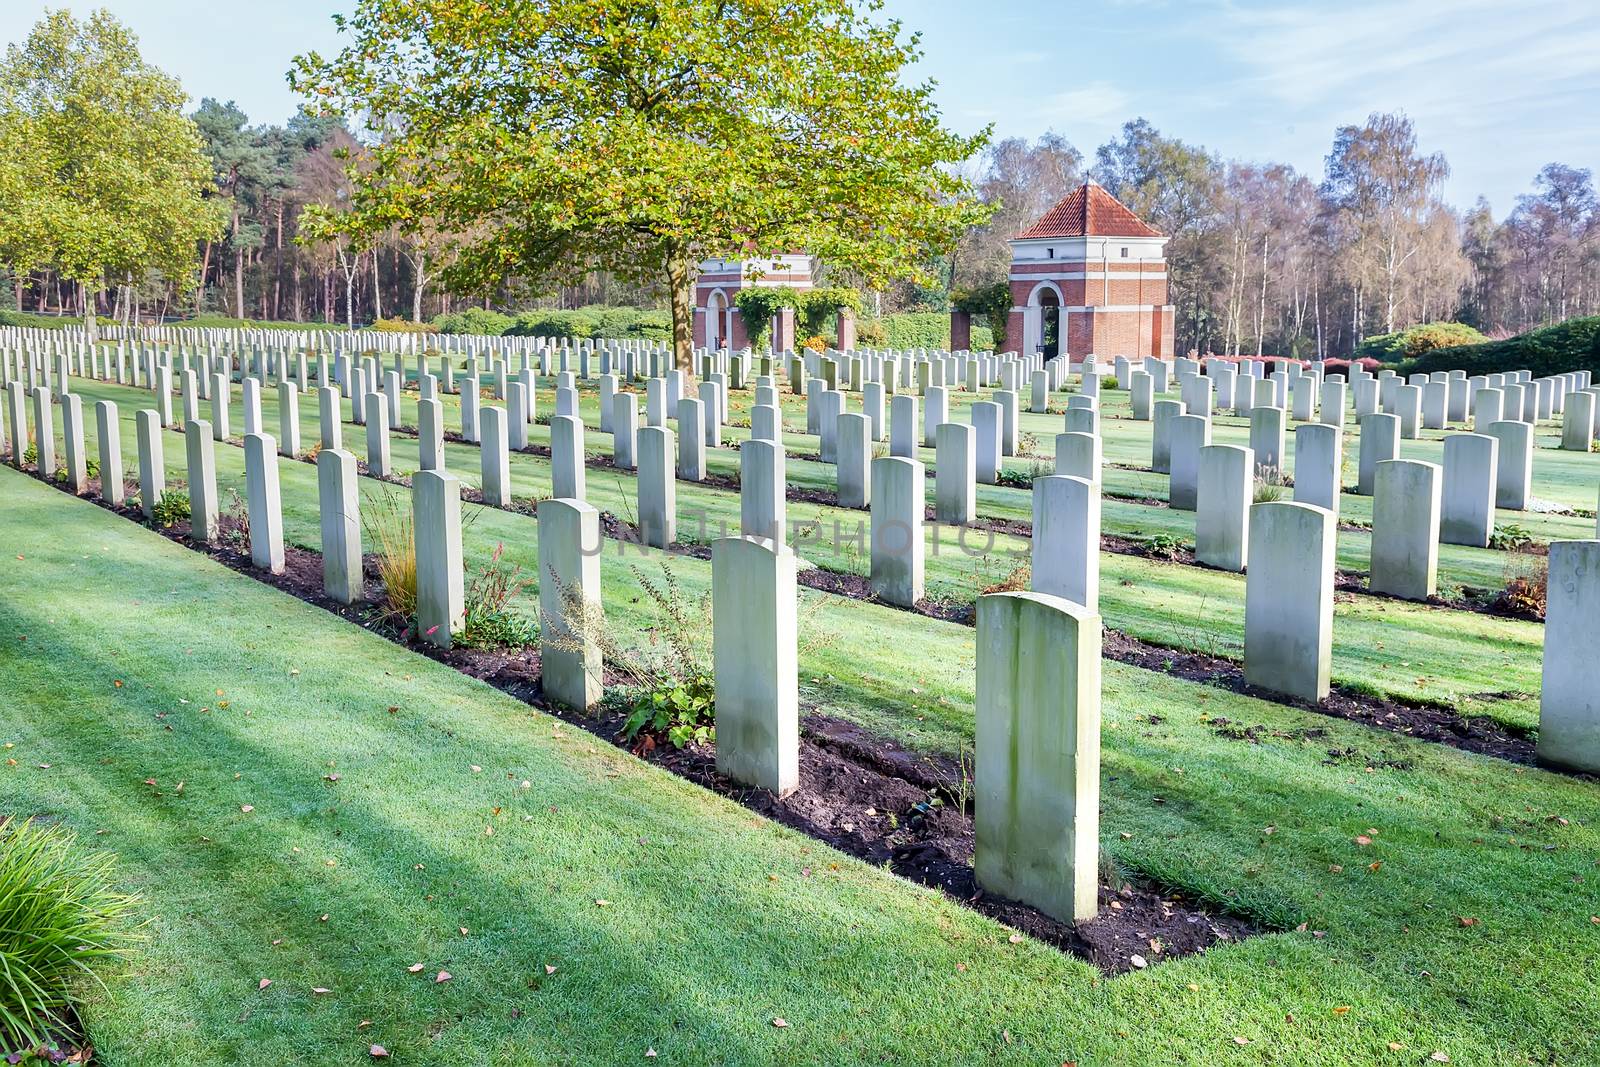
{"points": [[1089, 211]]}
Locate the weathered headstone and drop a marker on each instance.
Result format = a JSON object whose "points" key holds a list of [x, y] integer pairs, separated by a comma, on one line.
{"points": [[569, 602], [1288, 604], [263, 502], [1036, 819], [897, 541], [755, 634], [339, 503], [1569, 698], [1405, 529], [1066, 539], [200, 451], [436, 529], [658, 493], [1466, 515], [1225, 490]]}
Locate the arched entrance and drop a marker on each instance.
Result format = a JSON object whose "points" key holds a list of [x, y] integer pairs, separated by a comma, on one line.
{"points": [[718, 328], [1042, 321], [1050, 323]]}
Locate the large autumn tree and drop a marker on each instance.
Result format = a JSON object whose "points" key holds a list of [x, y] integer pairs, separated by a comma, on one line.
{"points": [[104, 175], [641, 136]]}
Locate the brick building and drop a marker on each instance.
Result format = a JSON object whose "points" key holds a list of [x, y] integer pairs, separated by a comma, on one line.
{"points": [[717, 323], [1092, 274]]}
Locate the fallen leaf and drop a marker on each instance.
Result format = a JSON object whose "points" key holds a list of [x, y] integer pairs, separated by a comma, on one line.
{"points": [[1138, 961], [378, 1052], [780, 1022], [1466, 920], [548, 969], [1363, 839], [264, 983], [1342, 1009], [1241, 1041], [1015, 939], [247, 808], [1440, 1056], [414, 968], [319, 990], [442, 976]]}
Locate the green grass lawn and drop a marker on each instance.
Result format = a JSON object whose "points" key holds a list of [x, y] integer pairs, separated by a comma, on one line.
{"points": [[718, 921], [1480, 664]]}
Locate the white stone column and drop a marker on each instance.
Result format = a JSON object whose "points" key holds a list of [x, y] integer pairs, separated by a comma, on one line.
{"points": [[755, 636], [1288, 602], [1514, 473], [762, 487], [1224, 492], [1318, 466], [1066, 539], [853, 459], [955, 475], [77, 460], [517, 394], [436, 526], [1161, 435], [288, 419], [152, 460], [17, 410], [250, 390], [109, 430], [200, 451], [1037, 753], [566, 458], [328, 421], [1577, 422], [339, 506], [1466, 515], [903, 429], [494, 456], [1187, 435], [569, 602], [263, 501], [379, 463], [1267, 436], [987, 431], [1078, 454], [1569, 699], [897, 541], [1333, 404], [1405, 529], [44, 433], [221, 397], [691, 440], [658, 493], [625, 430], [1380, 441]]}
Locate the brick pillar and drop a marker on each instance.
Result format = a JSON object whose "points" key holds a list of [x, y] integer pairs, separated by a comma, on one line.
{"points": [[960, 330], [847, 329], [783, 330], [1014, 336]]}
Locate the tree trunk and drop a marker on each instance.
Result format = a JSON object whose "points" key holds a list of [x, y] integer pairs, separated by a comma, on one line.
{"points": [[89, 324], [421, 266], [680, 284]]}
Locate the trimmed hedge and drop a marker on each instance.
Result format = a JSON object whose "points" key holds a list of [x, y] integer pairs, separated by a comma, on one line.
{"points": [[1566, 346], [593, 322]]}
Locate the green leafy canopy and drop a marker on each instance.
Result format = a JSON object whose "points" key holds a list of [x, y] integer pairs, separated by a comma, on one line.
{"points": [[557, 136]]}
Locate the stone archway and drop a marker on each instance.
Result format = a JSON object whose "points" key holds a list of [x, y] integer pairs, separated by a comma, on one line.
{"points": [[1042, 321], [719, 325]]}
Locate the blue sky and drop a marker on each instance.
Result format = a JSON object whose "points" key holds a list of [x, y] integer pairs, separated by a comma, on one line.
{"points": [[1500, 86]]}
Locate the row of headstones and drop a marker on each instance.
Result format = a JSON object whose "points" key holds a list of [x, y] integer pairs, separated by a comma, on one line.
{"points": [[1038, 665], [1037, 746], [1427, 401]]}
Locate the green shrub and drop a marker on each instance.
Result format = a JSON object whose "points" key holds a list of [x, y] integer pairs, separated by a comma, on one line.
{"points": [[1570, 345], [61, 920], [474, 320], [682, 711], [982, 339], [1414, 341], [44, 322], [172, 507], [399, 325]]}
